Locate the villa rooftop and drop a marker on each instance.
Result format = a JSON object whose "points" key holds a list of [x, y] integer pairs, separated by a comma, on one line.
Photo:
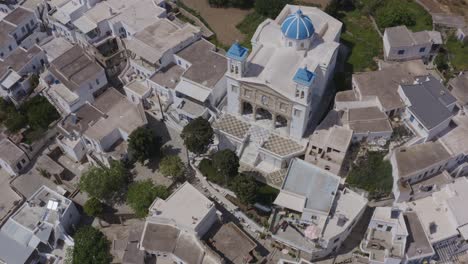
{"points": [[384, 83], [208, 66], [18, 15], [168, 76], [417, 244], [316, 187], [74, 67], [187, 206], [414, 158], [368, 119]]}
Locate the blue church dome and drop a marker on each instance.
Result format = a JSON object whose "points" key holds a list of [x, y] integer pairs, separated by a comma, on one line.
{"points": [[298, 26]]}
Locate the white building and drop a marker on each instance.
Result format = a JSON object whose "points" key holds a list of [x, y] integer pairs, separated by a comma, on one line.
{"points": [[16, 72], [12, 158], [116, 18], [316, 214], [39, 231], [386, 237], [73, 79], [100, 130], [429, 107], [15, 28], [281, 83], [63, 13], [445, 220], [154, 46], [417, 163], [173, 230], [328, 147], [401, 44]]}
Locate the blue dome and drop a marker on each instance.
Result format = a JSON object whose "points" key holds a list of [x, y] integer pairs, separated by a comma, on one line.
{"points": [[298, 26]]}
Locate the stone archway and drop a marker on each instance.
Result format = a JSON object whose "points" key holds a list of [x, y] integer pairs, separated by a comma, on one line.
{"points": [[247, 108], [281, 121], [263, 114]]}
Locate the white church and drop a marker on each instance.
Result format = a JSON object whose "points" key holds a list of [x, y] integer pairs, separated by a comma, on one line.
{"points": [[275, 90]]}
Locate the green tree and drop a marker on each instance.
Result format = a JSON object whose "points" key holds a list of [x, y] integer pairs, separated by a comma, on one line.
{"points": [[15, 121], [197, 135], [93, 207], [394, 13], [34, 81], [172, 166], [245, 188], [441, 62], [105, 183], [39, 112], [270, 8], [91, 246], [373, 174], [226, 163], [143, 144], [141, 195]]}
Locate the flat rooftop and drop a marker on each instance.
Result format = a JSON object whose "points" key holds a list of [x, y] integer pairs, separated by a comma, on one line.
{"points": [[186, 206], [18, 59], [80, 121], [459, 88], [208, 66], [138, 87], [74, 68], [45, 205], [19, 15], [417, 243], [414, 158], [159, 237], [56, 47], [317, 186], [168, 76], [10, 153], [119, 114], [153, 41], [384, 83], [456, 140], [367, 119], [232, 243]]}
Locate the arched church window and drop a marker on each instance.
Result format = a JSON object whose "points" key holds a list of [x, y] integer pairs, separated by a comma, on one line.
{"points": [[302, 94], [237, 69]]}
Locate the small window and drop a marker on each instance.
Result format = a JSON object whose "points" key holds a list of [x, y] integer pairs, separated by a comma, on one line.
{"points": [[313, 217], [97, 81], [297, 112], [9, 47], [336, 240], [290, 44], [34, 67], [234, 89], [23, 161], [1, 54], [179, 62], [401, 52], [389, 228], [90, 86], [15, 36], [31, 22], [23, 29], [380, 226], [422, 49]]}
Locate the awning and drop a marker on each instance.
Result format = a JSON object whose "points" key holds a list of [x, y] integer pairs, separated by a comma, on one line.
{"points": [[193, 91], [290, 201], [84, 24]]}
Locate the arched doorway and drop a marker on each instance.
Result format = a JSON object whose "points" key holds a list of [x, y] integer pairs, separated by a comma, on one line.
{"points": [[263, 114], [247, 108], [280, 121]]}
